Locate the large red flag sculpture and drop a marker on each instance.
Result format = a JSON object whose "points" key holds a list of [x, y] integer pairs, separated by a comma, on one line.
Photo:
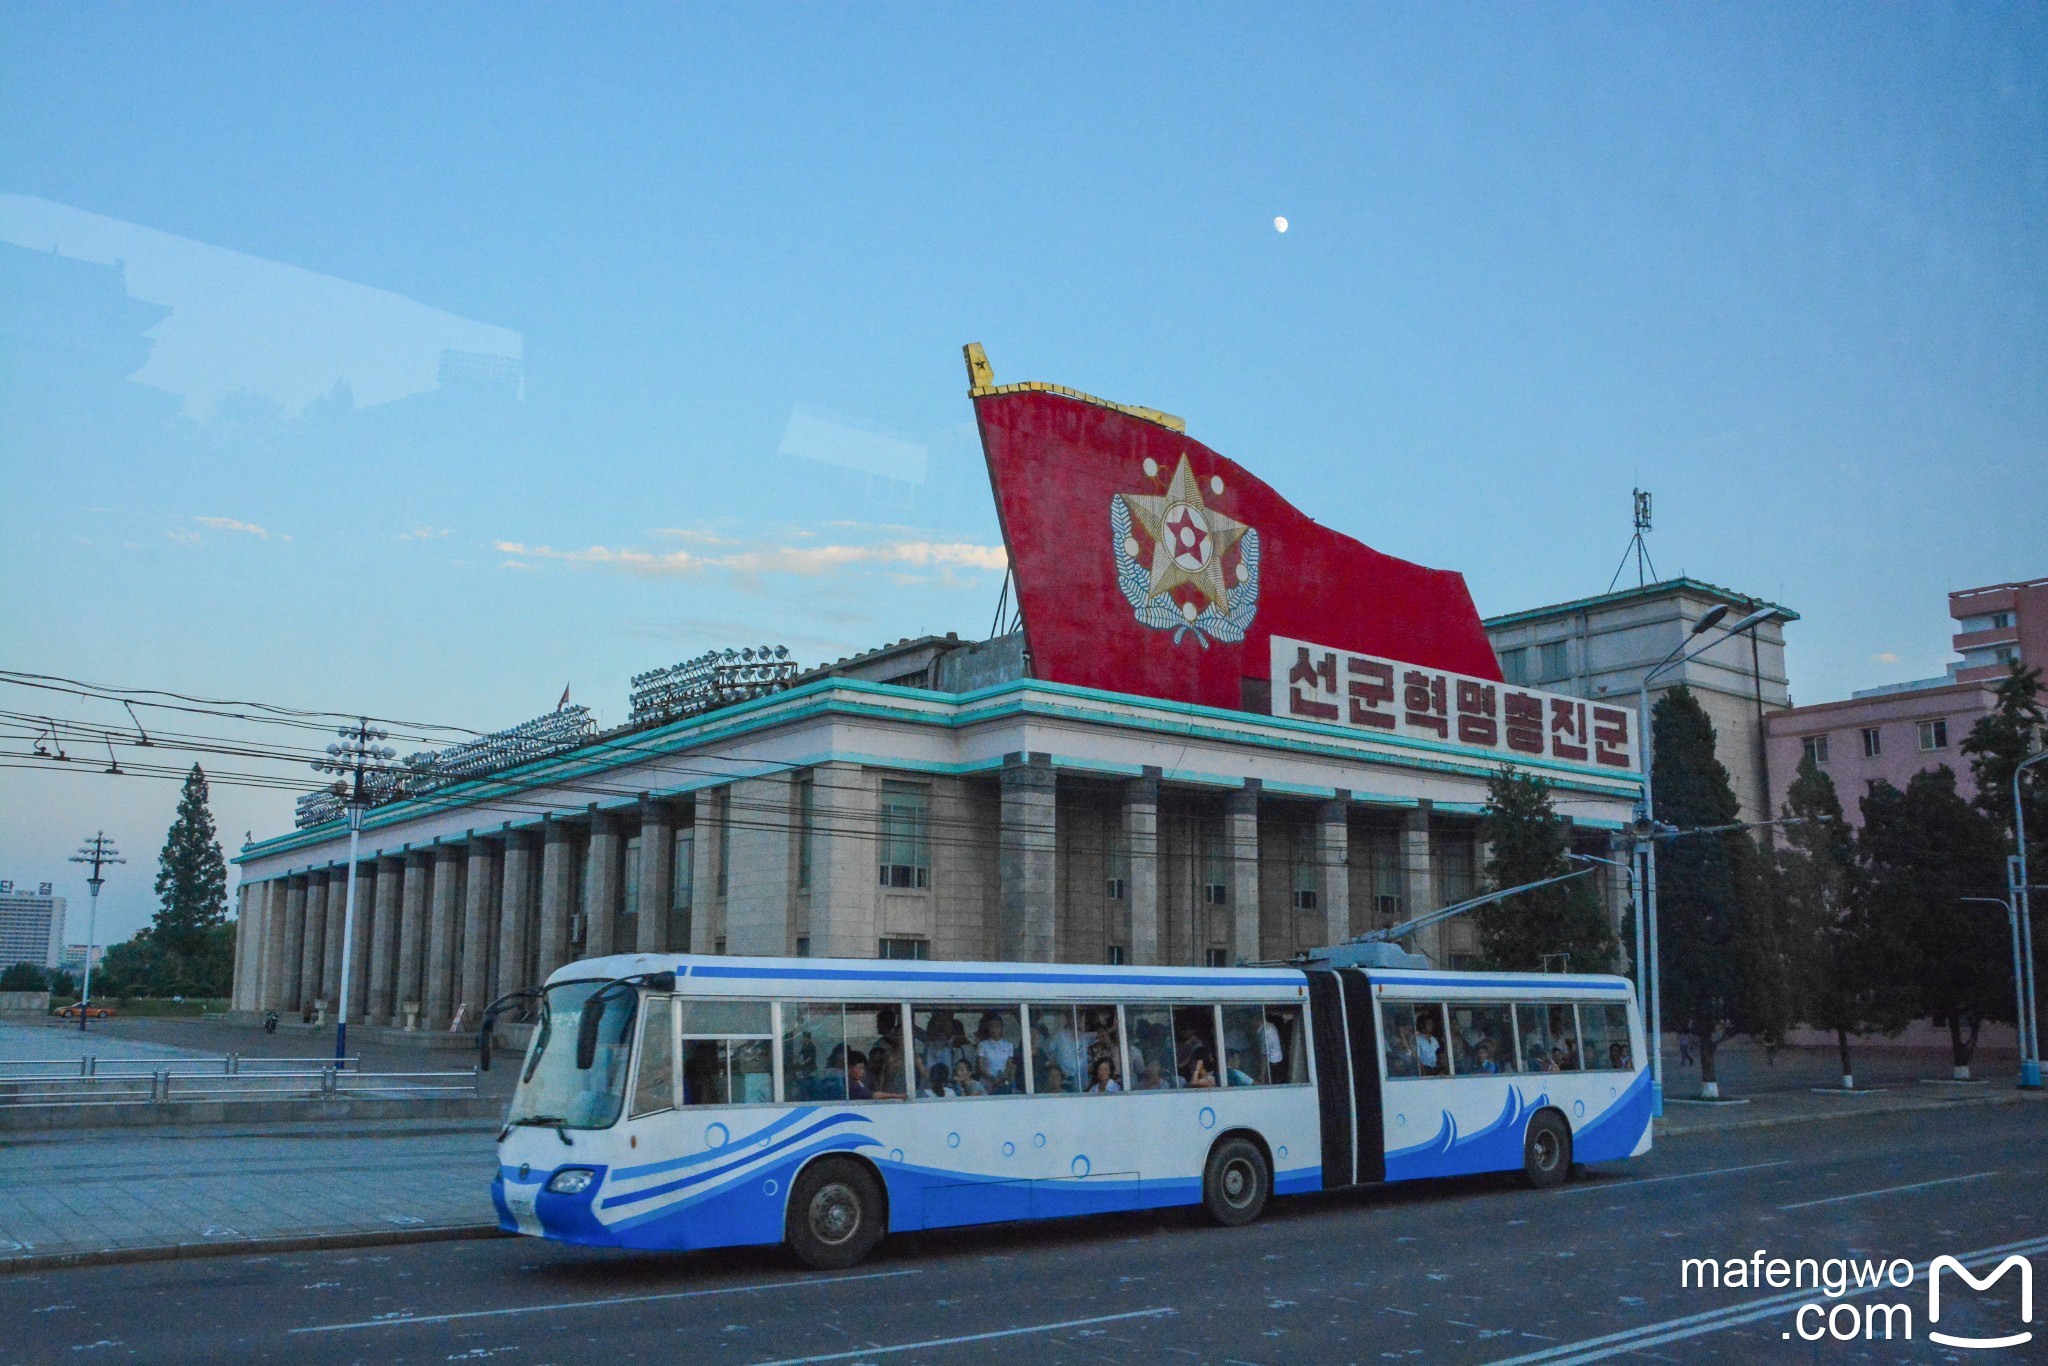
{"points": [[1146, 563]]}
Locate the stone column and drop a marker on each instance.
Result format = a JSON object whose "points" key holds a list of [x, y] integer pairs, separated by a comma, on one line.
{"points": [[1241, 852], [557, 865], [357, 948], [1027, 883], [382, 1003], [239, 997], [270, 913], [479, 918], [515, 912], [1141, 833], [412, 935], [295, 941], [759, 891], [438, 968], [704, 907], [1418, 880], [601, 885], [846, 900], [330, 952], [1333, 867], [314, 942], [657, 875]]}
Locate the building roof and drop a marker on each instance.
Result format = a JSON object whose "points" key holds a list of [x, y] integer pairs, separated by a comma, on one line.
{"points": [[1664, 588]]}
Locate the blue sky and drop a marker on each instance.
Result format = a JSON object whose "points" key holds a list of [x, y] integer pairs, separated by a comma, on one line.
{"points": [[1782, 266]]}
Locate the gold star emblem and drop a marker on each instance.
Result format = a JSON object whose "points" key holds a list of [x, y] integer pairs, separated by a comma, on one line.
{"points": [[1189, 539]]}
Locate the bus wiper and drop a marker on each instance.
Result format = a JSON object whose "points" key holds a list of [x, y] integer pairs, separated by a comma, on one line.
{"points": [[539, 1120]]}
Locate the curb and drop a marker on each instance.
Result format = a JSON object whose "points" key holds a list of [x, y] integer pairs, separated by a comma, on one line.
{"points": [[1861, 1112], [243, 1247]]}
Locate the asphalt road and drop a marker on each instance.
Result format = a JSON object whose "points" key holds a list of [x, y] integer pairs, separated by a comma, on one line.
{"points": [[1464, 1271]]}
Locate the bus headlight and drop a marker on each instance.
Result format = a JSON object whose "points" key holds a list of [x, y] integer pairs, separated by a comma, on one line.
{"points": [[571, 1181]]}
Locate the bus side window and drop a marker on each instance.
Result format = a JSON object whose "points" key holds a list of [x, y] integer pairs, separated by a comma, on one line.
{"points": [[1101, 1042], [1603, 1035], [1284, 1027], [1432, 1058], [1398, 1032], [1056, 1061], [813, 1052], [1564, 1039], [1246, 1059], [874, 1053], [1194, 1046], [1151, 1043], [1534, 1023], [1482, 1041], [655, 1090], [726, 1053]]}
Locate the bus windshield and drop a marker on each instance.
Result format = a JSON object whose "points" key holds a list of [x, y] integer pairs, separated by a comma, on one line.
{"points": [[553, 1090]]}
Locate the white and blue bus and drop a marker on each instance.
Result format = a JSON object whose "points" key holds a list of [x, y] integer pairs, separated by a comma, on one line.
{"points": [[674, 1101]]}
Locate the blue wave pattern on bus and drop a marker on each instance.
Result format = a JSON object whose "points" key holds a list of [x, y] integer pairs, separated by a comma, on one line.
{"points": [[1614, 1133], [737, 1162]]}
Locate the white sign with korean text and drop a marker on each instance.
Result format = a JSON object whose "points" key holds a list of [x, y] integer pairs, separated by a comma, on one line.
{"points": [[1386, 697]]}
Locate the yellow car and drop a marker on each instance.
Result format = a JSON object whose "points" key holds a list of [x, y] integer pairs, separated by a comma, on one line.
{"points": [[93, 1011]]}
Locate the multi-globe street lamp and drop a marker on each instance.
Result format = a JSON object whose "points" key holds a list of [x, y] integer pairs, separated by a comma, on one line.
{"points": [[359, 754], [99, 851]]}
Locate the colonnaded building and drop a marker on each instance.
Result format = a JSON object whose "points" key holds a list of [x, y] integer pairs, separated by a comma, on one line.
{"points": [[1219, 733]]}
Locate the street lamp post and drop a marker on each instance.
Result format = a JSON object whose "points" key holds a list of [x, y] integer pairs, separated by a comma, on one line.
{"points": [[2023, 915], [1646, 823], [357, 755], [2020, 988], [98, 851]]}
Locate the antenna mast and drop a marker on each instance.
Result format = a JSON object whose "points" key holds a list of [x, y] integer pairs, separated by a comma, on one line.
{"points": [[1637, 546]]}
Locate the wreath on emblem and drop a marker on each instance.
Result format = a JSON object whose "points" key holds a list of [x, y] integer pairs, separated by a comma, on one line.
{"points": [[1158, 611]]}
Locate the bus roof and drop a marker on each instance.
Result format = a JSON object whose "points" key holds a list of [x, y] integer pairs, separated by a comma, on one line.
{"points": [[900, 979]]}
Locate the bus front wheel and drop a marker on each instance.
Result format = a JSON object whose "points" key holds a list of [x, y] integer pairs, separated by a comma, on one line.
{"points": [[1236, 1182], [1547, 1151], [835, 1214]]}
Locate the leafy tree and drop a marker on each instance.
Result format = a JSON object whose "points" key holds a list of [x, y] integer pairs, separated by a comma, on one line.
{"points": [[1529, 843], [23, 977], [62, 983], [1719, 960], [1848, 962], [1921, 852], [1996, 745]]}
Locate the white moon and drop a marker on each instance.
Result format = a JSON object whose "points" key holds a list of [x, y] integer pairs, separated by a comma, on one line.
{"points": [[1279, 225]]}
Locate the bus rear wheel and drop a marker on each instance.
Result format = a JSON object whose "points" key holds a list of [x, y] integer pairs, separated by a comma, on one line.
{"points": [[1236, 1182], [1547, 1151], [835, 1214]]}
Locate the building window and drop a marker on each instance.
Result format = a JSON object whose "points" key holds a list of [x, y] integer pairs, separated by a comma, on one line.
{"points": [[914, 950], [630, 874], [1389, 908], [2001, 621], [718, 946], [1872, 744], [1117, 885], [1934, 734], [1218, 958], [1215, 869], [1514, 665], [1115, 956], [1551, 661], [1116, 888], [723, 815], [803, 946], [1816, 747], [685, 890], [2005, 654], [1305, 868], [806, 799], [906, 835]]}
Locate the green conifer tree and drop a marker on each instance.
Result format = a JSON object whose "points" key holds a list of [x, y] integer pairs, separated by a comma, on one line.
{"points": [[1721, 970], [1848, 962], [1529, 843], [1921, 852], [192, 896]]}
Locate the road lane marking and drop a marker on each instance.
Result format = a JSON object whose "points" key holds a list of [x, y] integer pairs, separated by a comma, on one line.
{"points": [[1583, 1189], [1729, 1316], [1888, 1190], [403, 1320], [865, 1352]]}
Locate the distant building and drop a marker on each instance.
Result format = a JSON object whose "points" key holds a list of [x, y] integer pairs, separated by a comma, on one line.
{"points": [[31, 925], [1601, 647], [1888, 734], [72, 960]]}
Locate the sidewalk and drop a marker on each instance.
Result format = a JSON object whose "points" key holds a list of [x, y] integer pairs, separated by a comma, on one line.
{"points": [[87, 1196]]}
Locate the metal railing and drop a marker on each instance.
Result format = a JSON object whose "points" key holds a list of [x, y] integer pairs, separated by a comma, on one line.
{"points": [[117, 1082], [228, 1064]]}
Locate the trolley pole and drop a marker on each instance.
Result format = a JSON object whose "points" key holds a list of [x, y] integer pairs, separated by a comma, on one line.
{"points": [[359, 754], [99, 851]]}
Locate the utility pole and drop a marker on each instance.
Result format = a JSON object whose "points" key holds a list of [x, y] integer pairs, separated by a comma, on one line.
{"points": [[359, 754], [99, 851]]}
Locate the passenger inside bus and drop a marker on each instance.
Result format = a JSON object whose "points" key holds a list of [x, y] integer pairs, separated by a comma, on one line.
{"points": [[1429, 1053], [1104, 1082]]}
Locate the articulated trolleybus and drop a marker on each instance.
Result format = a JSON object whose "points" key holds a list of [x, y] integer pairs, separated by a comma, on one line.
{"points": [[674, 1101]]}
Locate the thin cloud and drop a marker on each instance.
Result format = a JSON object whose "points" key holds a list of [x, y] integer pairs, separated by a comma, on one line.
{"points": [[942, 557], [1884, 657], [424, 533], [231, 524]]}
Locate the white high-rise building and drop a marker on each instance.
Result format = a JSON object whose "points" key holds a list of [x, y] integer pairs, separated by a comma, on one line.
{"points": [[31, 925]]}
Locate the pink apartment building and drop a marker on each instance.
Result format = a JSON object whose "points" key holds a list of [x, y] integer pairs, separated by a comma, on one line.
{"points": [[1889, 734]]}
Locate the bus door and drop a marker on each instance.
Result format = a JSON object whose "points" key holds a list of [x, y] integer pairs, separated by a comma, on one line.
{"points": [[1346, 1032]]}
